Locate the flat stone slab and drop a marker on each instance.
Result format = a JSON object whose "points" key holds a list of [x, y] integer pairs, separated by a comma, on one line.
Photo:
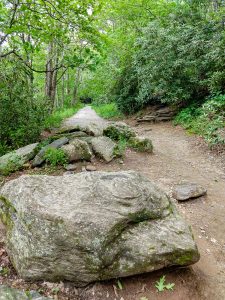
{"points": [[185, 191], [21, 155], [92, 226]]}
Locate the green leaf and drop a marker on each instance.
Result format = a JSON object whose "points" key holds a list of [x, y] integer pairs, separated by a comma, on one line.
{"points": [[160, 284], [119, 284], [170, 286]]}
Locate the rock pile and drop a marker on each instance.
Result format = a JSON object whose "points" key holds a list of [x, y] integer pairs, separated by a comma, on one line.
{"points": [[79, 142]]}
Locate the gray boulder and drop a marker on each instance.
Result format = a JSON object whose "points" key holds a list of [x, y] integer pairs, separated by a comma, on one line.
{"points": [[104, 147], [77, 150], [92, 226], [185, 191], [17, 158], [118, 130], [40, 157], [7, 293]]}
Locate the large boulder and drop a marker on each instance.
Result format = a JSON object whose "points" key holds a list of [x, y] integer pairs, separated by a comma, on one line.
{"points": [[77, 150], [92, 226], [104, 147], [40, 157], [7, 293], [11, 161]]}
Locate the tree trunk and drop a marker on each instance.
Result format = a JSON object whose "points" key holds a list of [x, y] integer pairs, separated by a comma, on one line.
{"points": [[76, 86], [68, 82], [51, 75], [63, 91]]}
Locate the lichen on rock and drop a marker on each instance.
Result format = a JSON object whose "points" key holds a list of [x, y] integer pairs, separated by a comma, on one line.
{"points": [[93, 226]]}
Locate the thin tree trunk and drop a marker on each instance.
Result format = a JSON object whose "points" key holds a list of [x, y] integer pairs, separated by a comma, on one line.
{"points": [[68, 82], [63, 91], [51, 75], [76, 86]]}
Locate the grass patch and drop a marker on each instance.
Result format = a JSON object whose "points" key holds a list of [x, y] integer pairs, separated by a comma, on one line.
{"points": [[107, 110], [56, 118]]}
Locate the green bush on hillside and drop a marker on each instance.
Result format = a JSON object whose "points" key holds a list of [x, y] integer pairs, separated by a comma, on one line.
{"points": [[173, 64], [207, 120]]}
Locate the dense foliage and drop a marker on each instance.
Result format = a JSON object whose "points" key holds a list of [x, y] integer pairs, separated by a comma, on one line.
{"points": [[20, 114], [207, 120], [129, 52]]}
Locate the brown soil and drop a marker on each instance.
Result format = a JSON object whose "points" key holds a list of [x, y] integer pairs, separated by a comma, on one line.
{"points": [[176, 157]]}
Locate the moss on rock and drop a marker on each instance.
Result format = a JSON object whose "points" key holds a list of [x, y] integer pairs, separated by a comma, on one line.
{"points": [[141, 144]]}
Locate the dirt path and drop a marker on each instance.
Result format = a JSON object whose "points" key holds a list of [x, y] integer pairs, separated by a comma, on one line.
{"points": [[178, 157], [83, 117]]}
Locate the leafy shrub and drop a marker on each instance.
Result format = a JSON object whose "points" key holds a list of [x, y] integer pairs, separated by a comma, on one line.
{"points": [[21, 115], [207, 120], [120, 148], [14, 164], [56, 157]]}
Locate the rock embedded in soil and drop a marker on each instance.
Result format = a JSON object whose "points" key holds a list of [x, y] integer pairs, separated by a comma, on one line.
{"points": [[104, 147], [17, 158], [92, 226], [40, 157], [118, 131], [71, 167], [77, 150], [8, 293], [91, 168], [141, 144], [185, 191]]}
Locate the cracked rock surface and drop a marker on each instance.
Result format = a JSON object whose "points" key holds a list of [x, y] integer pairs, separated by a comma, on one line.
{"points": [[92, 226]]}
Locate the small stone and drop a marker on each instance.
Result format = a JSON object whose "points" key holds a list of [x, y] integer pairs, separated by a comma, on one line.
{"points": [[83, 169], [121, 161], [185, 191], [91, 168], [26, 166], [214, 241], [71, 167], [68, 173]]}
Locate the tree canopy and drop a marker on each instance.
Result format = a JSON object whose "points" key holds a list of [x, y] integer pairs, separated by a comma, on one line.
{"points": [[132, 52]]}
